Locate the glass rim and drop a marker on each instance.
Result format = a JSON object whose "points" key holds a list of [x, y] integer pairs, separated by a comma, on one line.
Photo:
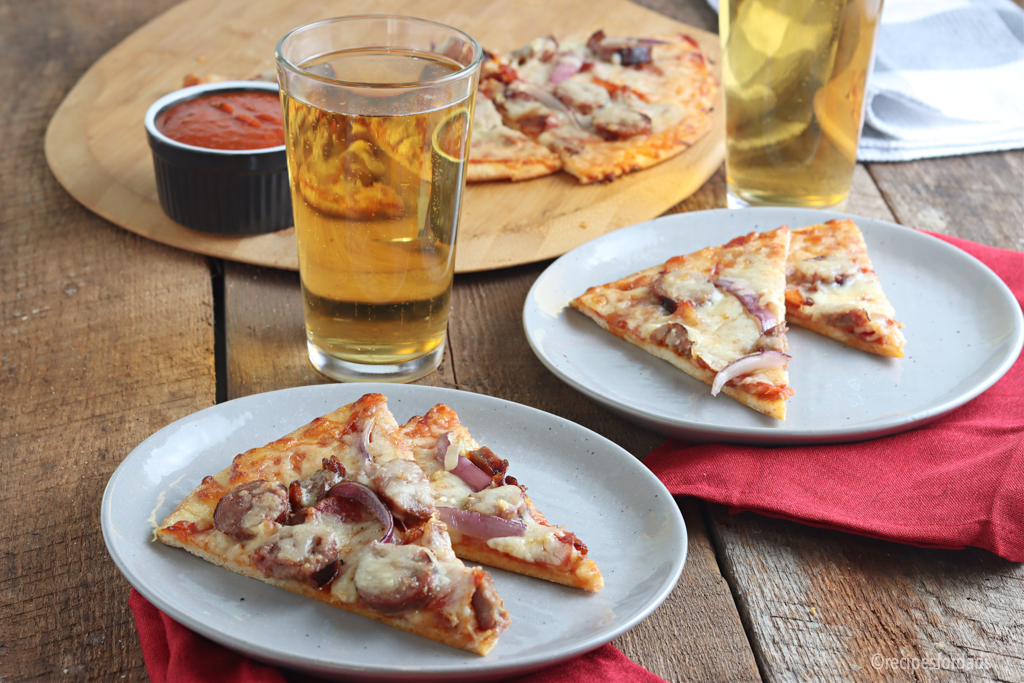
{"points": [[463, 71]]}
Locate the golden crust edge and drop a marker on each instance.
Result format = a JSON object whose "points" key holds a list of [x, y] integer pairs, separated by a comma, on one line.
{"points": [[480, 646], [591, 579], [774, 408], [843, 337]]}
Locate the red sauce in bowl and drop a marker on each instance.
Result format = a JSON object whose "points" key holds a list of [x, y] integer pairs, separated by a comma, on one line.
{"points": [[231, 120]]}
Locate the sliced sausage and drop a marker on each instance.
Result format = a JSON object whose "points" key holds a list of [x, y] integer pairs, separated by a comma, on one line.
{"points": [[620, 123], [405, 489], [245, 507], [487, 605], [298, 552], [396, 578]]}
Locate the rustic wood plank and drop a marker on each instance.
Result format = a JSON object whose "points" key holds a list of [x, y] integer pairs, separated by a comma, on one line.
{"points": [[823, 605], [106, 338], [978, 197]]}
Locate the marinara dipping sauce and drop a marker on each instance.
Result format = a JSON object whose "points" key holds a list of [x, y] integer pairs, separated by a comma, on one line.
{"points": [[231, 120]]}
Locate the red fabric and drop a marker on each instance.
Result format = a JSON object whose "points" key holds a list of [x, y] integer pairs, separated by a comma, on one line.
{"points": [[955, 482], [175, 654]]}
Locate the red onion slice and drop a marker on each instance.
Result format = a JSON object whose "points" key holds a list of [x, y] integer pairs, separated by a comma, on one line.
{"points": [[478, 525], [465, 470], [363, 494], [750, 300], [568, 66], [364, 438], [549, 101], [747, 364]]}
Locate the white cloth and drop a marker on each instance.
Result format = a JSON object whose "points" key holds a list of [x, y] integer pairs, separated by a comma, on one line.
{"points": [[948, 79]]}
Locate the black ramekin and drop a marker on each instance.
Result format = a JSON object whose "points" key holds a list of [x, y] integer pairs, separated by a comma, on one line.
{"points": [[228, 192]]}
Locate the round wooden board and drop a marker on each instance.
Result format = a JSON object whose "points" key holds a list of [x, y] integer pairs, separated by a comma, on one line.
{"points": [[96, 144]]}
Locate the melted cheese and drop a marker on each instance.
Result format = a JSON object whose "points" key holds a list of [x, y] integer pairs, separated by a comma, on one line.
{"points": [[860, 291], [539, 544], [503, 501]]}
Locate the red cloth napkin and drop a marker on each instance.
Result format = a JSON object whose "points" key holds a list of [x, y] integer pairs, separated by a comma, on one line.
{"points": [[955, 482], [175, 654]]}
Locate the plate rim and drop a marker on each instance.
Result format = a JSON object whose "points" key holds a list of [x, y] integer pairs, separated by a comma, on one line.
{"points": [[467, 670], [754, 435]]}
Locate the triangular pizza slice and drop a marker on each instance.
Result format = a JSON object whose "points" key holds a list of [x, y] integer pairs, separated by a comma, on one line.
{"points": [[832, 289], [717, 314], [339, 511], [489, 516]]}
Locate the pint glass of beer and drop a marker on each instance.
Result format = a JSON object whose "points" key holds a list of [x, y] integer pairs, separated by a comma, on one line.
{"points": [[377, 114], [795, 72]]}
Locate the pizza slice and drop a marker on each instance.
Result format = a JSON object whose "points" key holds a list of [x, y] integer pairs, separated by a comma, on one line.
{"points": [[832, 289], [489, 516], [340, 512], [717, 314]]}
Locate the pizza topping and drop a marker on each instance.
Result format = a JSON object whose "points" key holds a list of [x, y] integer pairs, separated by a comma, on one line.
{"points": [[750, 300], [506, 502], [582, 95], [539, 544], [683, 284], [541, 49], [396, 578], [674, 336], [619, 122], [479, 525], [568, 65], [487, 605], [747, 364], [826, 268], [244, 508], [465, 470], [366, 437], [489, 463], [403, 484], [361, 494], [624, 51], [297, 552], [305, 493]]}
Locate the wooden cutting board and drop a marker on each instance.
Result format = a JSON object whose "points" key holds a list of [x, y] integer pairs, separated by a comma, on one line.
{"points": [[96, 144]]}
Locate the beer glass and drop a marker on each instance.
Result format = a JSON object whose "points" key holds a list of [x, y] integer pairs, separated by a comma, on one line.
{"points": [[795, 72], [377, 112]]}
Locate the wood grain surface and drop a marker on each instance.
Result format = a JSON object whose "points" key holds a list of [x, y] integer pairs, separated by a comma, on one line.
{"points": [[108, 337], [96, 144]]}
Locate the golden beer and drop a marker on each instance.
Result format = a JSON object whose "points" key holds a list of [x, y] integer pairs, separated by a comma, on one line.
{"points": [[795, 73], [377, 141]]}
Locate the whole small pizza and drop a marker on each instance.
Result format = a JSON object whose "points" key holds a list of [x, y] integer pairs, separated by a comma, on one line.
{"points": [[602, 107]]}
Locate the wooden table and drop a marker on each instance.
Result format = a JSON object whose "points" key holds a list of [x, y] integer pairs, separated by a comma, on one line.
{"points": [[108, 337]]}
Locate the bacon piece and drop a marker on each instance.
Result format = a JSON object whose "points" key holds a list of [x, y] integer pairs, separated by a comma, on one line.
{"points": [[304, 493]]}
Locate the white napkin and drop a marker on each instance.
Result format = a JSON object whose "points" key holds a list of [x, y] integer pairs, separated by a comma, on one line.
{"points": [[948, 79]]}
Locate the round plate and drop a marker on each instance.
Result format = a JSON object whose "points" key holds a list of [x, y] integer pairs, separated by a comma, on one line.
{"points": [[963, 330], [576, 478]]}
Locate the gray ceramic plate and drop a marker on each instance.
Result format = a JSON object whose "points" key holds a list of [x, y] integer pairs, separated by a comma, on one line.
{"points": [[576, 477], [963, 330]]}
